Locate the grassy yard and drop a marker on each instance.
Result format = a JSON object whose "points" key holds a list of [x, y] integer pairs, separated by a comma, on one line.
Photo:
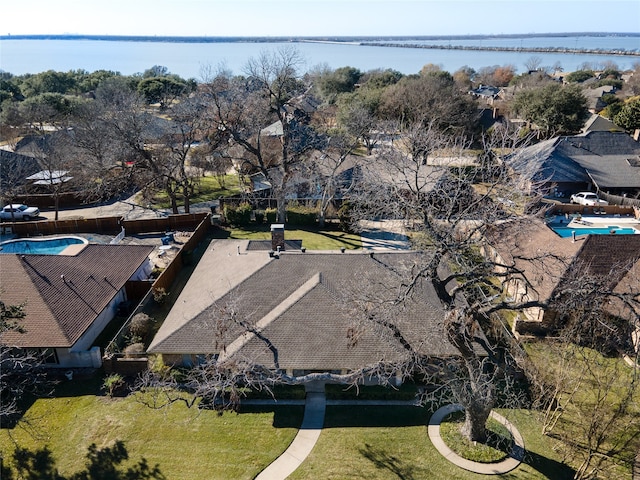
{"points": [[187, 444], [312, 238], [391, 442], [357, 442], [208, 188]]}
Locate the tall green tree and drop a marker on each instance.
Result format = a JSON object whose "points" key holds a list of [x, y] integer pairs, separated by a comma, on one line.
{"points": [[629, 115], [553, 109]]}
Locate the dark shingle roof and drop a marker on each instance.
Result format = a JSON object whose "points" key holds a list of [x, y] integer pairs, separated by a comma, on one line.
{"points": [[304, 305], [15, 168], [63, 295], [603, 157]]}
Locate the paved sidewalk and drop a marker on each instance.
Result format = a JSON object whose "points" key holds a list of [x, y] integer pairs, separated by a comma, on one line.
{"points": [[497, 468], [304, 442], [384, 235]]}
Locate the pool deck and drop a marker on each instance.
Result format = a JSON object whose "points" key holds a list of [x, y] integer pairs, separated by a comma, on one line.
{"points": [[598, 221], [72, 250]]}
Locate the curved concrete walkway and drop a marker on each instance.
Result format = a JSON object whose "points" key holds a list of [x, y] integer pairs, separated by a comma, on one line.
{"points": [[304, 441], [504, 466]]}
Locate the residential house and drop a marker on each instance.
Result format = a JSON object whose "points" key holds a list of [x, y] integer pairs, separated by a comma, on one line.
{"points": [[595, 103], [299, 312], [597, 123], [14, 170], [540, 256], [69, 299], [596, 160], [485, 93], [545, 261]]}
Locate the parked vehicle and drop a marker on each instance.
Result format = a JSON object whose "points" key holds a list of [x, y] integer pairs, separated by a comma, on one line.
{"points": [[19, 212], [587, 198]]}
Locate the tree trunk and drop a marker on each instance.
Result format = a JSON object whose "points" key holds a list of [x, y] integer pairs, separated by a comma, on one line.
{"points": [[475, 421], [281, 206], [187, 199], [56, 204]]}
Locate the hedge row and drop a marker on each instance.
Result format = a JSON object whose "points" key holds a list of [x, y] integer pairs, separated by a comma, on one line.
{"points": [[296, 215]]}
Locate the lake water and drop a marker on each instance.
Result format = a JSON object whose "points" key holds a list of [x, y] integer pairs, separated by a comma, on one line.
{"points": [[188, 59]]}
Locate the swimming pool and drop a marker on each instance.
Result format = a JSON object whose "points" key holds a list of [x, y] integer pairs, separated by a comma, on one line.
{"points": [[42, 246], [566, 232]]}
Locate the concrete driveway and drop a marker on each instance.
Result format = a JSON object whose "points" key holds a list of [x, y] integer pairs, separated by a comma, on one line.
{"points": [[127, 208]]}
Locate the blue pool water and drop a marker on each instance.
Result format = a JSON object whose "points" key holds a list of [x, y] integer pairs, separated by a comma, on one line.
{"points": [[49, 246], [566, 232]]}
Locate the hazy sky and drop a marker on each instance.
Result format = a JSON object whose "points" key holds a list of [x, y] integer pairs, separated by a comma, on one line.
{"points": [[317, 17]]}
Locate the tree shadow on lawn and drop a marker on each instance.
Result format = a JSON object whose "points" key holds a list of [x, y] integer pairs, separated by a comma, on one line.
{"points": [[548, 467], [284, 416], [339, 238], [382, 460], [375, 416]]}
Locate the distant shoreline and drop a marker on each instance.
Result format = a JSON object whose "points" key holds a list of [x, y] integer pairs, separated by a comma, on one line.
{"points": [[293, 39], [592, 51]]}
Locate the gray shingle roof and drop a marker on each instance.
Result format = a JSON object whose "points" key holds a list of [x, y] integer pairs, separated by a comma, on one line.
{"points": [[600, 156], [304, 304], [59, 310]]}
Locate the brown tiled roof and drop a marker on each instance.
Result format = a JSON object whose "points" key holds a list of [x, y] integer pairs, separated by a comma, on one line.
{"points": [[610, 254], [303, 304], [63, 294]]}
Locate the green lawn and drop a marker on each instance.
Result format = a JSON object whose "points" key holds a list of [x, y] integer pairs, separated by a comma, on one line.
{"points": [[187, 444], [208, 188], [357, 442], [312, 238], [391, 443]]}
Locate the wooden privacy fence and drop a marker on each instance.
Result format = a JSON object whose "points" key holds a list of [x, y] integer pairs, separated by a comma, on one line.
{"points": [[184, 221], [169, 274], [108, 225], [114, 360], [619, 199], [571, 208]]}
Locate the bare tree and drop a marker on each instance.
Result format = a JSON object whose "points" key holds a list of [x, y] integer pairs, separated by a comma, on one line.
{"points": [[585, 391], [533, 63], [256, 114], [20, 371]]}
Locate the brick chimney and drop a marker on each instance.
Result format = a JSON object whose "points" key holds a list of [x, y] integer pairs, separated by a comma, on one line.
{"points": [[277, 236]]}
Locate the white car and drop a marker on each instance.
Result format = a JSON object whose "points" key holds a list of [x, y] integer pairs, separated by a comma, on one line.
{"points": [[19, 212], [587, 198]]}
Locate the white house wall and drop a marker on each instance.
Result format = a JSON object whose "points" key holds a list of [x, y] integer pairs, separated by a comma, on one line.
{"points": [[86, 340], [84, 359]]}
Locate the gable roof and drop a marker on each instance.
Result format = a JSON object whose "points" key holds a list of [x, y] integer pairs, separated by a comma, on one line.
{"points": [[545, 258], [62, 294], [597, 123], [14, 168], [302, 305], [545, 162], [605, 255], [603, 157]]}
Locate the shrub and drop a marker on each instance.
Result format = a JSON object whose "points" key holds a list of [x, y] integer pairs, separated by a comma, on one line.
{"points": [[240, 215], [344, 216], [304, 216], [134, 350], [160, 294], [140, 325], [112, 382], [259, 214], [271, 214]]}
